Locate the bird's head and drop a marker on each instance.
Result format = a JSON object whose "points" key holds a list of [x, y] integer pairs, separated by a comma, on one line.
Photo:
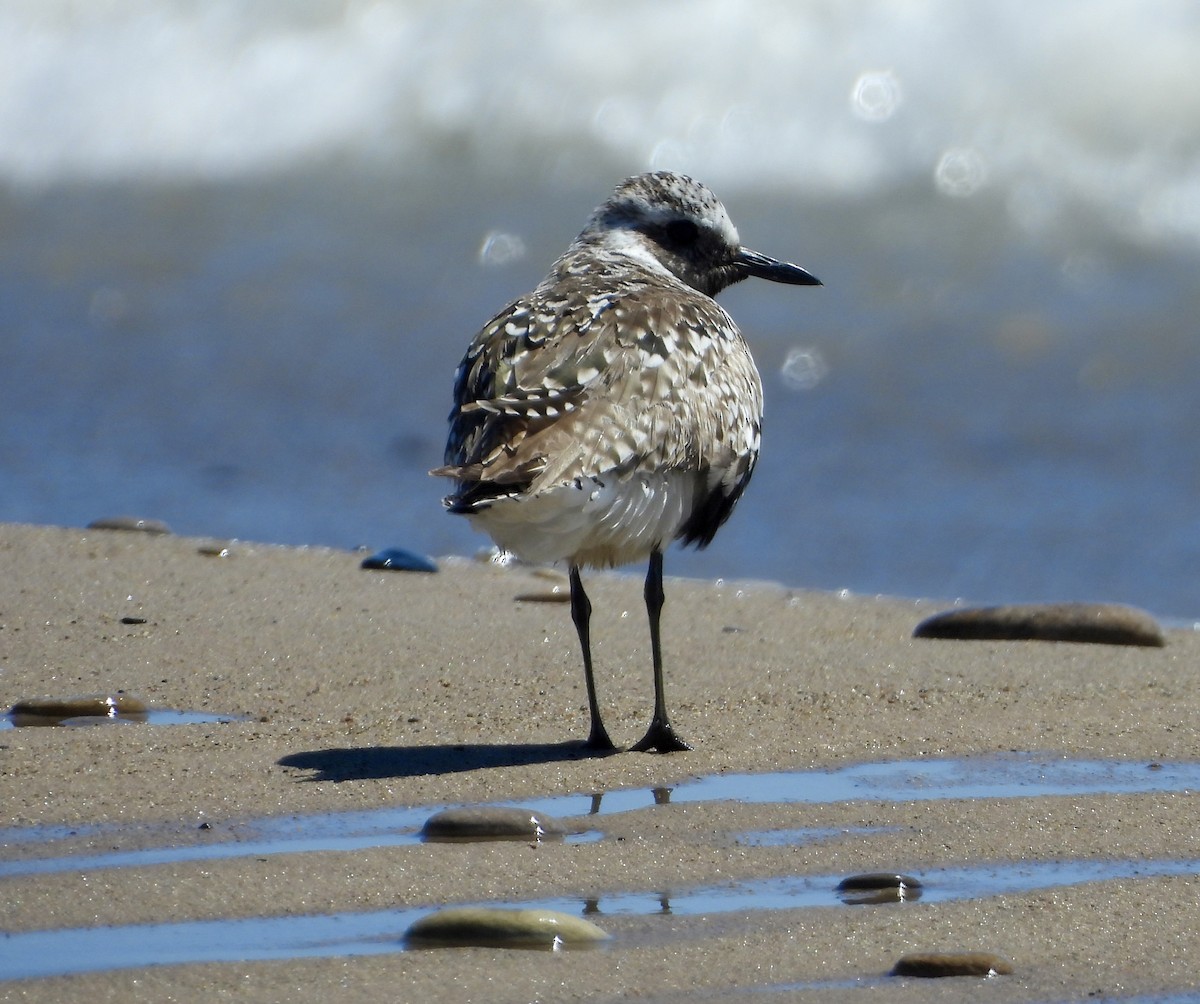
{"points": [[669, 221]]}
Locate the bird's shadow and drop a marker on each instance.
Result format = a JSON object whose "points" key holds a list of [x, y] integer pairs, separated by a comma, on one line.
{"points": [[365, 763]]}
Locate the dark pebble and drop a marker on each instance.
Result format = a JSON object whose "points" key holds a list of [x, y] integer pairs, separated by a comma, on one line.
{"points": [[73, 710], [395, 559], [1097, 623], [877, 880], [491, 823], [129, 523], [878, 887], [937, 964], [554, 596], [504, 929]]}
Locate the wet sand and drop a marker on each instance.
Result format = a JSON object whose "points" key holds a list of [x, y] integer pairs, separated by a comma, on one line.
{"points": [[371, 689]]}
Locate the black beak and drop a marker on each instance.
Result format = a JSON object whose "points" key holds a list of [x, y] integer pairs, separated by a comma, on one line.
{"points": [[762, 267]]}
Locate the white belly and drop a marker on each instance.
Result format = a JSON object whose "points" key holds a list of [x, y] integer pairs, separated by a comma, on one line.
{"points": [[600, 522]]}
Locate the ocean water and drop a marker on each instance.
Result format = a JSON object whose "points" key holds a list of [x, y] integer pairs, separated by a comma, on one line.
{"points": [[242, 247]]}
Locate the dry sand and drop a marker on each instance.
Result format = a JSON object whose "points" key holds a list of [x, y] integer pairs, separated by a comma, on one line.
{"points": [[398, 689]]}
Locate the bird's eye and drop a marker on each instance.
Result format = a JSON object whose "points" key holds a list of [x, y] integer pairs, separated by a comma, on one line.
{"points": [[682, 232]]}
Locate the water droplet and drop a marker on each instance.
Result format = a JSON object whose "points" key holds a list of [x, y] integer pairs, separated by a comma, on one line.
{"points": [[803, 368], [876, 96], [961, 172], [499, 248]]}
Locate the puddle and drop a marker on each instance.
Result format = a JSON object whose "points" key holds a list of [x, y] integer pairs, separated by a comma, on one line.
{"points": [[166, 716], [1014, 775], [938, 885], [45, 953], [340, 832], [40, 954], [151, 716], [1006, 776]]}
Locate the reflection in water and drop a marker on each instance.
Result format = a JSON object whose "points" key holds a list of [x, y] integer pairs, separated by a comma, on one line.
{"points": [[108, 712], [47, 953], [878, 887], [1008, 776]]}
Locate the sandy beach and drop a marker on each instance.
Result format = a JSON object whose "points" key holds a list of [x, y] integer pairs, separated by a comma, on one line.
{"points": [[361, 690]]}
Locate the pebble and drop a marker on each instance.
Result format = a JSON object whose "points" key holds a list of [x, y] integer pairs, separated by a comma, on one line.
{"points": [[1098, 623], [878, 887], [61, 710], [498, 928], [555, 595], [129, 523], [491, 823], [396, 559], [936, 964]]}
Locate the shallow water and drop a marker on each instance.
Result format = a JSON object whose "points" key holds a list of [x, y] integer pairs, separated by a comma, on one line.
{"points": [[245, 246], [45, 953], [48, 953], [1012, 776], [152, 716]]}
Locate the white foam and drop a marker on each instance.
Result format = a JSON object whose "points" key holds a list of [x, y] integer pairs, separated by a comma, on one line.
{"points": [[1076, 101]]}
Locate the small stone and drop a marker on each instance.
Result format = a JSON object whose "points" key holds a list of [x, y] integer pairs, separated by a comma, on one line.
{"points": [[63, 710], [396, 559], [1097, 623], [134, 523], [491, 823], [878, 887], [497, 928], [555, 595], [878, 880], [937, 964]]}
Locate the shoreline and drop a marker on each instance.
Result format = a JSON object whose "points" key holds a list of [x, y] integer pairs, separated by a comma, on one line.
{"points": [[368, 689]]}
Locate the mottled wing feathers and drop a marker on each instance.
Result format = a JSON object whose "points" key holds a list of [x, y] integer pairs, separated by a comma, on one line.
{"points": [[567, 386], [511, 387]]}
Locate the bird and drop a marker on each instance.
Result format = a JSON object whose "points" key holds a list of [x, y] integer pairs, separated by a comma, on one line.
{"points": [[616, 408]]}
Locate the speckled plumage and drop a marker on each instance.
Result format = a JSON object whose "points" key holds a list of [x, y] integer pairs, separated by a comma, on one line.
{"points": [[616, 407]]}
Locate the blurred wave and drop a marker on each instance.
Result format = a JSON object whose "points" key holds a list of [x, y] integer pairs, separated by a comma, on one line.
{"points": [[242, 246], [1053, 104]]}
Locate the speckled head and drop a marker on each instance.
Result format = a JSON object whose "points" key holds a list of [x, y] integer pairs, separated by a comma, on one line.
{"points": [[672, 222], [659, 199]]}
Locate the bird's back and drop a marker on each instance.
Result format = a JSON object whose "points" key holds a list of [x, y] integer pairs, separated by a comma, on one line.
{"points": [[609, 411]]}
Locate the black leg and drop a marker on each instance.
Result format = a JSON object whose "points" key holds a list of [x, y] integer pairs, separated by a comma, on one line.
{"points": [[581, 614], [660, 737]]}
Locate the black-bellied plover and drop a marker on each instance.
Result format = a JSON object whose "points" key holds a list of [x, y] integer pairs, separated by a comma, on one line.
{"points": [[616, 407]]}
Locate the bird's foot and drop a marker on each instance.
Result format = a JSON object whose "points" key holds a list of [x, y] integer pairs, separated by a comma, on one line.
{"points": [[660, 738], [599, 741]]}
